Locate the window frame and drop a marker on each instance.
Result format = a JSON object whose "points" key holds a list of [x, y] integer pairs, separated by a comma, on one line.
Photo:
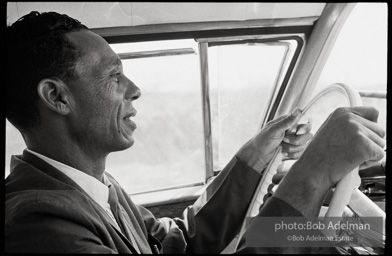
{"points": [[276, 92], [211, 33]]}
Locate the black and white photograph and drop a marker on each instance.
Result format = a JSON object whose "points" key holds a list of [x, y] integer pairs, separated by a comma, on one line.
{"points": [[195, 127]]}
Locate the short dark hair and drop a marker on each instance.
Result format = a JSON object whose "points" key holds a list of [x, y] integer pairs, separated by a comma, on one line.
{"points": [[37, 48]]}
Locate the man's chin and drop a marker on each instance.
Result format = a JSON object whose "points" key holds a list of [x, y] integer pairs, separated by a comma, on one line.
{"points": [[125, 144]]}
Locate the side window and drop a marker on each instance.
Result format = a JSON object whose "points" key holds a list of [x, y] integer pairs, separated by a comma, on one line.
{"points": [[170, 139], [359, 56], [168, 149], [243, 78]]}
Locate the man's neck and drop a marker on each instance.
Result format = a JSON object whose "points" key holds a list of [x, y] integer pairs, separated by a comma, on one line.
{"points": [[68, 153]]}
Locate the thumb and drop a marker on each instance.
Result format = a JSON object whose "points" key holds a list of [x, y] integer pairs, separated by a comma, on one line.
{"points": [[288, 122]]}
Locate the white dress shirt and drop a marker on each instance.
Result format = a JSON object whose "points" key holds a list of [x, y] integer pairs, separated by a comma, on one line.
{"points": [[97, 190]]}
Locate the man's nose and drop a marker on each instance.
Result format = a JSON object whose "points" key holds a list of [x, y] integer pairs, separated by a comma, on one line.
{"points": [[133, 92]]}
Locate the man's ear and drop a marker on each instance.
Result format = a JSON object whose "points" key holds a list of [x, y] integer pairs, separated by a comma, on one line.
{"points": [[54, 95]]}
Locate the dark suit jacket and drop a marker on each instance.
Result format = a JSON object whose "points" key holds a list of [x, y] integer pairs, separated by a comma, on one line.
{"points": [[48, 212]]}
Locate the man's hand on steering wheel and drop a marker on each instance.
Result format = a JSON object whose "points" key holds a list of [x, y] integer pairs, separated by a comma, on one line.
{"points": [[283, 131]]}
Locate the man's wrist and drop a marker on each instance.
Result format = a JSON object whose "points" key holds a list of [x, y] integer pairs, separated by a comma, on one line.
{"points": [[303, 189], [256, 163], [250, 156]]}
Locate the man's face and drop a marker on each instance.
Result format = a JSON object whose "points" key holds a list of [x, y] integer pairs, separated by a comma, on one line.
{"points": [[102, 96]]}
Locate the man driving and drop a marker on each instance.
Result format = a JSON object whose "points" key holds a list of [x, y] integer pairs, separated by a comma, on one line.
{"points": [[68, 96]]}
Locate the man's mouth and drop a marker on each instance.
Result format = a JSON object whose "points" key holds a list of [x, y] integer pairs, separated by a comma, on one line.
{"points": [[128, 119]]}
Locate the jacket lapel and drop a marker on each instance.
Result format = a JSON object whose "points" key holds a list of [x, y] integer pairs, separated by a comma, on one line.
{"points": [[135, 224]]}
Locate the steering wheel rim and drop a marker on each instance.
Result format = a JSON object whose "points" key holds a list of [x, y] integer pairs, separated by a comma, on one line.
{"points": [[345, 187], [346, 192], [343, 190]]}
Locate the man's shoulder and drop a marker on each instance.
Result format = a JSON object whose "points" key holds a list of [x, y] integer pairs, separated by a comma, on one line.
{"points": [[71, 204], [54, 197], [31, 190], [36, 177], [61, 218]]}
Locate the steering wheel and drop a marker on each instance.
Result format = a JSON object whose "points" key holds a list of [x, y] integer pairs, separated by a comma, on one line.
{"points": [[346, 191]]}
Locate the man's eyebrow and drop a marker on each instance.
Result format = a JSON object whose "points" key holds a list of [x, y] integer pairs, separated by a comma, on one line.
{"points": [[116, 63]]}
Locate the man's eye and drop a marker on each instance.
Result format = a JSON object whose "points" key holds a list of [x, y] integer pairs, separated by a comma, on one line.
{"points": [[116, 76]]}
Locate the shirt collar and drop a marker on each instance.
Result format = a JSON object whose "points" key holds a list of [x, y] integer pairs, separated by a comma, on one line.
{"points": [[97, 190]]}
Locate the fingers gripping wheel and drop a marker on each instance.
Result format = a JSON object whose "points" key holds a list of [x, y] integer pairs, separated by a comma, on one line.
{"points": [[346, 191], [318, 109], [350, 182]]}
